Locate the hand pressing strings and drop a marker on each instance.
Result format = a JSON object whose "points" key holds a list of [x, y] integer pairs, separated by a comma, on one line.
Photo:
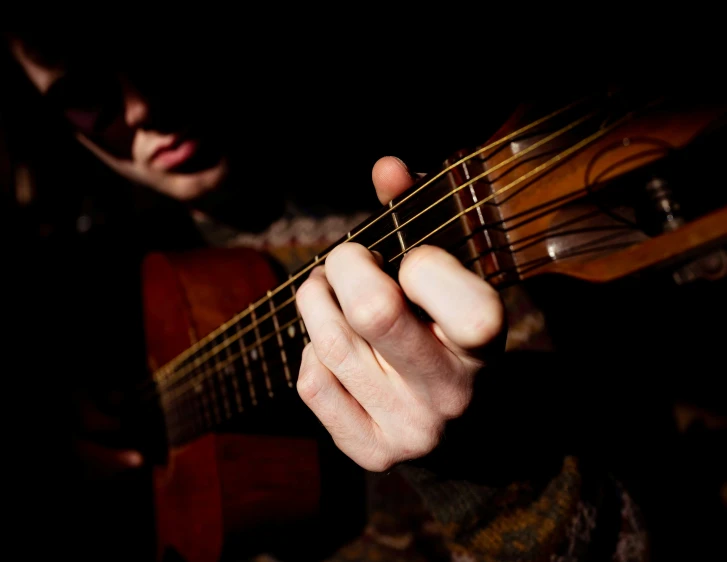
{"points": [[383, 382]]}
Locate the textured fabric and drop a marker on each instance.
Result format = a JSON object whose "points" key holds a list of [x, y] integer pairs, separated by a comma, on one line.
{"points": [[417, 513]]}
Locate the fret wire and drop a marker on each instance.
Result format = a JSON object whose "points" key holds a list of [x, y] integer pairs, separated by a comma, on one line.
{"points": [[283, 356], [268, 336], [194, 412], [225, 343], [536, 170], [181, 390], [473, 194], [221, 377], [398, 228], [169, 367], [261, 348], [255, 320], [199, 391], [471, 245], [197, 406], [476, 206], [248, 371], [300, 324], [486, 173], [542, 167], [230, 370], [213, 398], [395, 219]]}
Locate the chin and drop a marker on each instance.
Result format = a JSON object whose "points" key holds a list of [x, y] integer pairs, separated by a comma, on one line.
{"points": [[189, 187]]}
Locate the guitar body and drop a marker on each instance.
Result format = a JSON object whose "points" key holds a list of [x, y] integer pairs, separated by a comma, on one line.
{"points": [[225, 488], [580, 193]]}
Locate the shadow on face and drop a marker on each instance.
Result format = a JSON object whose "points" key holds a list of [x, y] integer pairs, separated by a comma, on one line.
{"points": [[152, 107]]}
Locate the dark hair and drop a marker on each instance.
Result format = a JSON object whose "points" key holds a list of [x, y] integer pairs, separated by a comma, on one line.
{"points": [[43, 170], [49, 48]]}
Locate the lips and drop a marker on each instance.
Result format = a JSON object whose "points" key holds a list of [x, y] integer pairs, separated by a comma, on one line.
{"points": [[174, 154]]}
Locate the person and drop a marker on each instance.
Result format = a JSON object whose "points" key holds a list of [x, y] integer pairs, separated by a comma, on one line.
{"points": [[345, 305], [386, 385], [379, 379]]}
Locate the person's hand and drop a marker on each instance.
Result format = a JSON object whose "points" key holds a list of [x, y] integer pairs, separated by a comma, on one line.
{"points": [[91, 441], [382, 381]]}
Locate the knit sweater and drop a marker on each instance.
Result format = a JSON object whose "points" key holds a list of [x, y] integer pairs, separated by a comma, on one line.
{"points": [[493, 490]]}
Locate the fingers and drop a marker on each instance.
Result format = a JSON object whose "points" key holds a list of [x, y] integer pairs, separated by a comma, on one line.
{"points": [[99, 460], [104, 462], [397, 433], [375, 308], [391, 177], [466, 309], [352, 429], [338, 347]]}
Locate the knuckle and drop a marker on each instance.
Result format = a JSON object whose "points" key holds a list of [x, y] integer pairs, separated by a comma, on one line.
{"points": [[420, 258], [483, 324], [334, 344], [417, 438], [378, 460], [342, 253], [376, 314], [303, 293], [310, 382], [454, 404], [418, 442], [425, 441]]}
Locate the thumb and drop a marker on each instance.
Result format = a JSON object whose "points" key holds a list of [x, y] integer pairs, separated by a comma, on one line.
{"points": [[391, 177], [100, 461]]}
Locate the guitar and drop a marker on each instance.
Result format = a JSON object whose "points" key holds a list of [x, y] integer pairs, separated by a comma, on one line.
{"points": [[586, 190]]}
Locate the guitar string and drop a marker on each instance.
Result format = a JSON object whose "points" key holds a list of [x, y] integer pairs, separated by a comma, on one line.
{"points": [[201, 409], [180, 390], [191, 383], [494, 249], [279, 307], [502, 164], [540, 168], [197, 361], [168, 367]]}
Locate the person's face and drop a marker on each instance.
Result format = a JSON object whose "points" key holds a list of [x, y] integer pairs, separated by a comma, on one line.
{"points": [[149, 124]]}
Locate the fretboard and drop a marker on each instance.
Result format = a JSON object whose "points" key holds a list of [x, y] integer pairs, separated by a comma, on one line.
{"points": [[254, 358]]}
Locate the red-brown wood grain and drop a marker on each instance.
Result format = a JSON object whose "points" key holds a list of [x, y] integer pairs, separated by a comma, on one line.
{"points": [[220, 484], [549, 200]]}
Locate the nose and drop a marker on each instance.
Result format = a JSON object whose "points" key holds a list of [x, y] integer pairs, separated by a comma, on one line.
{"points": [[136, 107]]}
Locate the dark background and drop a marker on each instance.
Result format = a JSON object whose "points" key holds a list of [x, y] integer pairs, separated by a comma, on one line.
{"points": [[309, 120]]}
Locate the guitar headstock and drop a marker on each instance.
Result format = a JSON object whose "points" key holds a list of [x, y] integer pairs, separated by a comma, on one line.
{"points": [[600, 191]]}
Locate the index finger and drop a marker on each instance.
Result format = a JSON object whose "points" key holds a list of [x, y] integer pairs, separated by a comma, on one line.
{"points": [[391, 178], [375, 307]]}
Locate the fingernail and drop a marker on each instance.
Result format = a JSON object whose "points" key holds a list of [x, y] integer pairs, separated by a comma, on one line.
{"points": [[379, 257], [406, 168], [408, 252]]}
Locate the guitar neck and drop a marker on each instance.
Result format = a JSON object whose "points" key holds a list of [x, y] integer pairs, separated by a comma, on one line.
{"points": [[255, 356], [506, 211]]}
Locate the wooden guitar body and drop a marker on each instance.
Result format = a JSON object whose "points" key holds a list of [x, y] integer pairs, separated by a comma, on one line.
{"points": [[224, 487], [591, 191]]}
